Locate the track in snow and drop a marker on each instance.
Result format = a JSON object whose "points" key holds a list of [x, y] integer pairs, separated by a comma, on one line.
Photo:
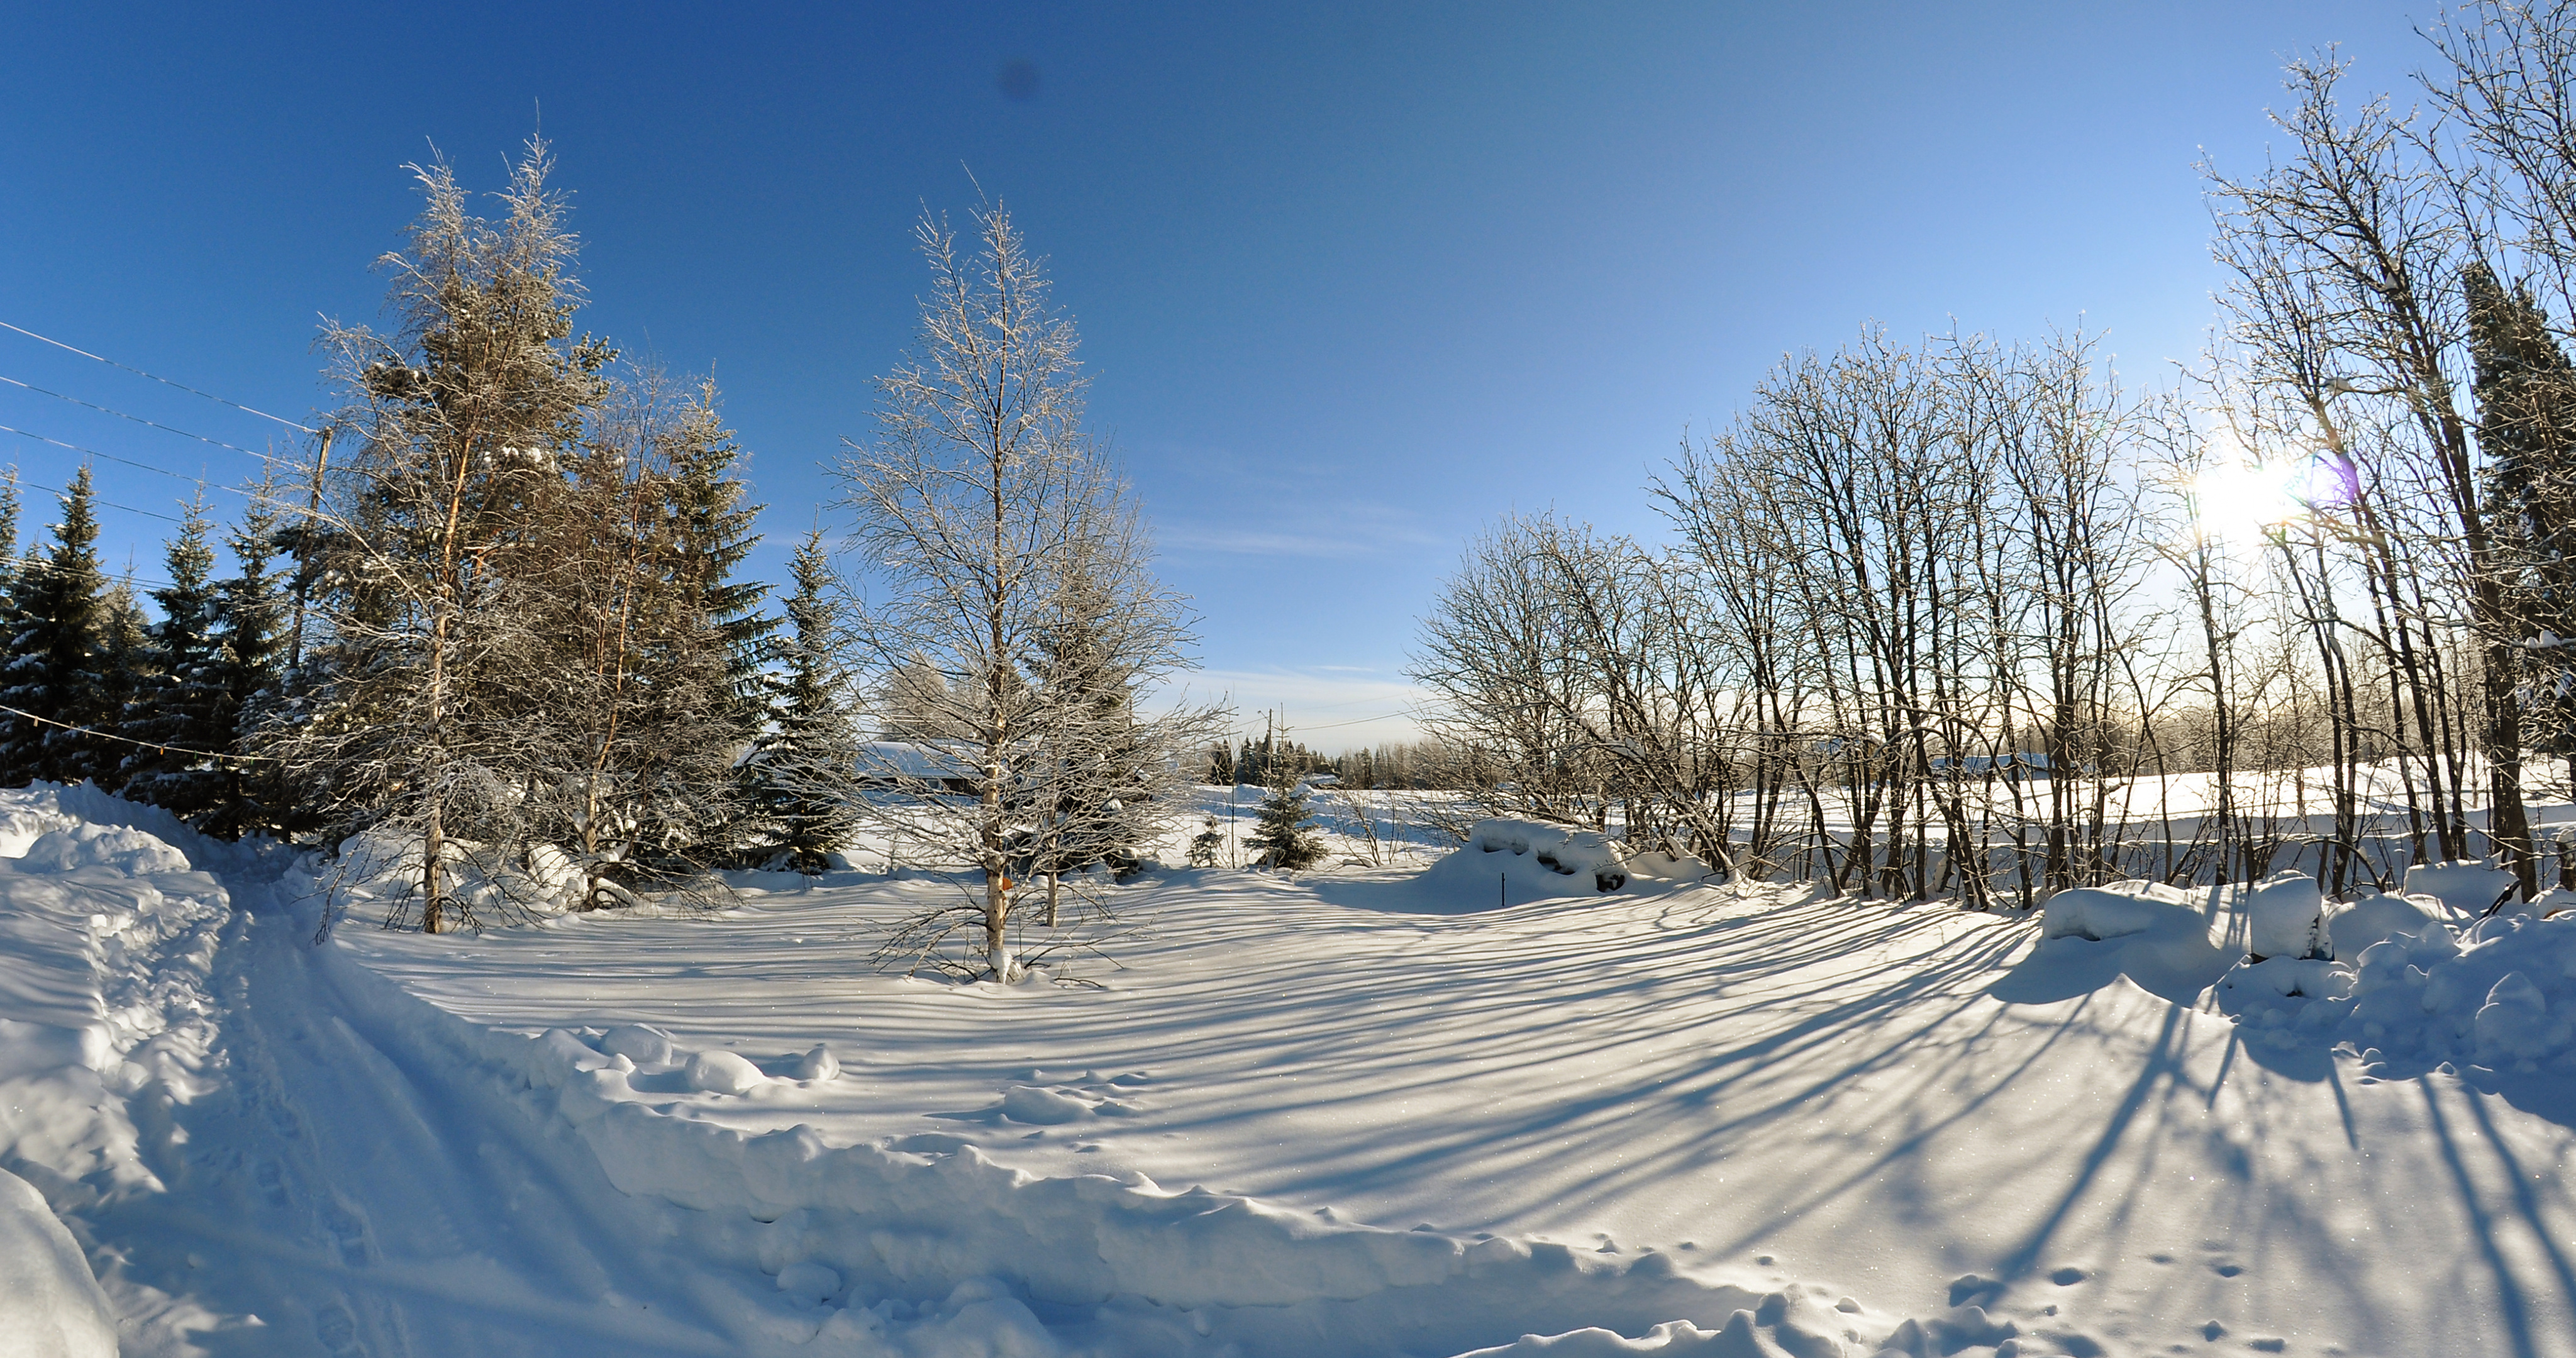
{"points": [[355, 1209]]}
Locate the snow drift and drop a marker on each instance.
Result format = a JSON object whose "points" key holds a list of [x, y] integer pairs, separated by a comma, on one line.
{"points": [[107, 935], [2091, 936]]}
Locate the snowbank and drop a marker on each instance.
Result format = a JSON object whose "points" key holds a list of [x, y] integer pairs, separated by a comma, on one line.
{"points": [[2090, 936], [107, 936], [2500, 994], [2468, 890], [1578, 854], [52, 1306]]}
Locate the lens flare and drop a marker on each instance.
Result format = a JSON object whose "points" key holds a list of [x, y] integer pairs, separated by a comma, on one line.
{"points": [[2242, 503]]}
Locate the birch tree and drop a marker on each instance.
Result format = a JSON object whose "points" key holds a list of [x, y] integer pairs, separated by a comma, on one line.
{"points": [[986, 524]]}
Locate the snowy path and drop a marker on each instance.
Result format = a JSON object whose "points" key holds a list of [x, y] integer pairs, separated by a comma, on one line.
{"points": [[358, 1210]]}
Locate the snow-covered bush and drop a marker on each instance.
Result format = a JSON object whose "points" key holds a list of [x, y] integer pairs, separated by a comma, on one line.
{"points": [[2468, 889], [2285, 914], [1571, 853]]}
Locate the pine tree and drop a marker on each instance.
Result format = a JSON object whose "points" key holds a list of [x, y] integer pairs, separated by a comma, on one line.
{"points": [[714, 533], [60, 603], [8, 535], [252, 668], [1285, 832], [177, 716], [802, 770], [2526, 396], [129, 667]]}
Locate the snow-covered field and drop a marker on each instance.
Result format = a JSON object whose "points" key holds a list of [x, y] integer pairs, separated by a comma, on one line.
{"points": [[1427, 1107]]}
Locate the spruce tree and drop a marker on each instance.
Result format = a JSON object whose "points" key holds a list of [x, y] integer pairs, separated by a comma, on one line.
{"points": [[251, 667], [176, 716], [59, 599], [2526, 396], [713, 530], [802, 770], [1285, 834], [129, 667]]}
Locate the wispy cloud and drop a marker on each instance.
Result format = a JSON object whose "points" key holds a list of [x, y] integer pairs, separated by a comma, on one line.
{"points": [[1271, 544], [1325, 706]]}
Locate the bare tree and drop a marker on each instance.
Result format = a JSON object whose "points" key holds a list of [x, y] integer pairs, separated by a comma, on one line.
{"points": [[989, 533]]}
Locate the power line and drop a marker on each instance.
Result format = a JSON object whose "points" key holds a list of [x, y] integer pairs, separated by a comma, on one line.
{"points": [[111, 457], [30, 386], [103, 504], [4, 325], [32, 562], [111, 735]]}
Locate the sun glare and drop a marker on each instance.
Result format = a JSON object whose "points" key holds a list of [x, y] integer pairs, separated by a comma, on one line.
{"points": [[2241, 503]]}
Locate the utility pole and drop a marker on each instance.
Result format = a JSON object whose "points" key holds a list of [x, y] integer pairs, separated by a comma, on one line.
{"points": [[304, 545]]}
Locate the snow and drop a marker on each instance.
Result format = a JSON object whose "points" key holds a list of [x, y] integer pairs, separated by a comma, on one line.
{"points": [[52, 1306], [2149, 933], [1583, 855], [1367, 1111], [2466, 889], [2285, 916]]}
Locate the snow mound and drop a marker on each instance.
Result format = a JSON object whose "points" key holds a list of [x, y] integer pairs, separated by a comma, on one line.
{"points": [[818, 1064], [1578, 854], [2467, 889], [637, 1043], [724, 1073], [2091, 936], [116, 848], [2285, 913], [52, 1306], [2499, 995], [2351, 928]]}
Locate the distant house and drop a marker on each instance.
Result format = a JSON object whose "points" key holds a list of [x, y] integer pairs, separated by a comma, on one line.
{"points": [[916, 766]]}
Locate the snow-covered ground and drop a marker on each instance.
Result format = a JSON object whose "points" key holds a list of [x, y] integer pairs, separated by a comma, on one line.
{"points": [[1375, 1110]]}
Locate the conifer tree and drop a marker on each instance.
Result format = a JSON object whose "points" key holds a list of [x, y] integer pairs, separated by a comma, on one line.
{"points": [[802, 770], [59, 599], [129, 668], [8, 535], [1285, 833], [714, 533], [251, 668], [2526, 396], [176, 716]]}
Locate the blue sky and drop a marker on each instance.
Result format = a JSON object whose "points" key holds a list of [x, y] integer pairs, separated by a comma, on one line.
{"points": [[1351, 281]]}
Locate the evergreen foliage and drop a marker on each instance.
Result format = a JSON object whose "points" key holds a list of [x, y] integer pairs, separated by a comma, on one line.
{"points": [[713, 533], [2526, 397], [251, 667], [1285, 833], [802, 770], [127, 664], [179, 714], [61, 620]]}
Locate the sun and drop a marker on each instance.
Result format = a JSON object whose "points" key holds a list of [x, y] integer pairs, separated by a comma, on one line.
{"points": [[2243, 502]]}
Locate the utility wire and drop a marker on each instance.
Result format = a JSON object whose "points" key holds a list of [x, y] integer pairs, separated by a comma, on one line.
{"points": [[121, 461], [103, 504], [44, 563], [30, 386], [1355, 721], [4, 325], [111, 735]]}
